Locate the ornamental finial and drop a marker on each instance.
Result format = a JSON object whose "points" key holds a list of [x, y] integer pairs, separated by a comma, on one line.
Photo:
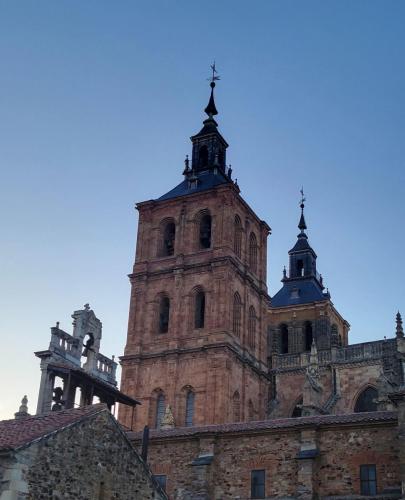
{"points": [[302, 224], [211, 109], [399, 329]]}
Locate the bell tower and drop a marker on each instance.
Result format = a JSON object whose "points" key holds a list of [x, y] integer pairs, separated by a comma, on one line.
{"points": [[196, 345]]}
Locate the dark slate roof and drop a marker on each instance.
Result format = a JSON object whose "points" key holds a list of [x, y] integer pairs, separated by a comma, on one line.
{"points": [[206, 180], [308, 291], [276, 424], [301, 245], [21, 432]]}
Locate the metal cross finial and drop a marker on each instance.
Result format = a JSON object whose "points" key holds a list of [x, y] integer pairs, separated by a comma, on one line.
{"points": [[215, 75]]}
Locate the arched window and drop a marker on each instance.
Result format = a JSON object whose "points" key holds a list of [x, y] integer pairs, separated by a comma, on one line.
{"points": [[203, 156], [205, 231], [252, 327], [300, 267], [237, 238], [237, 314], [308, 335], [253, 252], [251, 411], [236, 407], [283, 339], [199, 311], [366, 400], [189, 408], [169, 235], [160, 410], [164, 314], [297, 411]]}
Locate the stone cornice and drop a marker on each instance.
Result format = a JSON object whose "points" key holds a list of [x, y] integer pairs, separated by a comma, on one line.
{"points": [[175, 268], [192, 350], [275, 426]]}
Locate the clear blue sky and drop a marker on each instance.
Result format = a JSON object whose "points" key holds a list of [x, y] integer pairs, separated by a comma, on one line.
{"points": [[98, 100]]}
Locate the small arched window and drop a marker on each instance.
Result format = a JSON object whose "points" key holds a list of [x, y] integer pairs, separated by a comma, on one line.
{"points": [[205, 231], [164, 314], [283, 339], [308, 335], [252, 327], [160, 410], [199, 310], [297, 411], [189, 408], [237, 238], [236, 407], [169, 236], [300, 267], [366, 400], [251, 411], [203, 156], [253, 252], [237, 314]]}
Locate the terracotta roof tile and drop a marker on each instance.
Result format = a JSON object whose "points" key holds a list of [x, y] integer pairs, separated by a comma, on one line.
{"points": [[17, 433], [268, 425]]}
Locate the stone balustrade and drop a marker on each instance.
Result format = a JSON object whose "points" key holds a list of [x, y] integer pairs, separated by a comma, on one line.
{"points": [[106, 368], [64, 343], [348, 354]]}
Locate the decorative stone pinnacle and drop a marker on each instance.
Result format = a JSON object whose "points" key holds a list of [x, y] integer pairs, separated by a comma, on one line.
{"points": [[23, 410], [87, 307], [168, 419], [399, 329]]}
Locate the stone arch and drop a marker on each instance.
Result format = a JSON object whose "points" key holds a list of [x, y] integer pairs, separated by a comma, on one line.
{"points": [[284, 338], [167, 237], [253, 252], [203, 156], [237, 236], [203, 229], [199, 305], [364, 399], [236, 407], [157, 406], [308, 335], [237, 314], [252, 327], [189, 408]]}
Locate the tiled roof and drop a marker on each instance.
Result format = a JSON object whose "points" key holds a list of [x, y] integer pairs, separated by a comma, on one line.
{"points": [[308, 290], [17, 433], [268, 425], [206, 180]]}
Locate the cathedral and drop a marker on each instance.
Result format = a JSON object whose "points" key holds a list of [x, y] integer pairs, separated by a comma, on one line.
{"points": [[247, 395], [226, 392]]}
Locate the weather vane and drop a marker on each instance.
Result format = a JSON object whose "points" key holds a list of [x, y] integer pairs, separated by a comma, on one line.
{"points": [[215, 75], [303, 199]]}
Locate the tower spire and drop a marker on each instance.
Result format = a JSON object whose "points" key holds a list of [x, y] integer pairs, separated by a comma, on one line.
{"points": [[302, 224], [211, 109]]}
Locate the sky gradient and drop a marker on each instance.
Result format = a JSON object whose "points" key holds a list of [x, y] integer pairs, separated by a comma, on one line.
{"points": [[98, 100]]}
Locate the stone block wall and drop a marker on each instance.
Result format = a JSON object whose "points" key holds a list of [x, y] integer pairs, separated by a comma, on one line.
{"points": [[306, 458], [89, 460]]}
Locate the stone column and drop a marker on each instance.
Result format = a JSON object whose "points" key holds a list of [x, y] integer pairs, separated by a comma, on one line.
{"points": [[45, 391]]}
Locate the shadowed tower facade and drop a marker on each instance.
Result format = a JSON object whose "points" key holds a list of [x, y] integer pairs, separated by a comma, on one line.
{"points": [[196, 333]]}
